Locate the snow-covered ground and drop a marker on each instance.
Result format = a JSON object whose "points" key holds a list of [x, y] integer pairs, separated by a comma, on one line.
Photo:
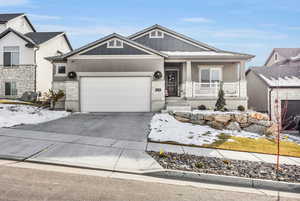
{"points": [[165, 128], [11, 115]]}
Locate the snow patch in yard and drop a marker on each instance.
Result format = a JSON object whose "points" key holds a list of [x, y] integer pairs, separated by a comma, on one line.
{"points": [[165, 128], [11, 115]]}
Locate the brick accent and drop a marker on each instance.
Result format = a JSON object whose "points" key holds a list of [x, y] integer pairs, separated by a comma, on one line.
{"points": [[24, 76]]}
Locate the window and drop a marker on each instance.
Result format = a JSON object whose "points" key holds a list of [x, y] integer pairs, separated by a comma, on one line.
{"points": [[210, 75], [61, 69], [115, 43], [11, 56], [275, 56], [10, 89], [156, 34]]}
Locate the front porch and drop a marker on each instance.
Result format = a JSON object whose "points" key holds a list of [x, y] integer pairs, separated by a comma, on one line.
{"points": [[192, 83]]}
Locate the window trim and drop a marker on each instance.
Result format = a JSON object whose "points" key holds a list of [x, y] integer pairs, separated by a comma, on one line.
{"points": [[115, 43], [156, 34], [210, 68], [11, 93], [11, 58], [59, 65]]}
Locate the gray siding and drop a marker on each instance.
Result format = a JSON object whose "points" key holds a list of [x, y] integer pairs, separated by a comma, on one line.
{"points": [[113, 65], [168, 43], [257, 92], [126, 50]]}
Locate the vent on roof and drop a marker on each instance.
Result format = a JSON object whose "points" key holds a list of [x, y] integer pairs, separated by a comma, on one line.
{"points": [[156, 34], [114, 43]]}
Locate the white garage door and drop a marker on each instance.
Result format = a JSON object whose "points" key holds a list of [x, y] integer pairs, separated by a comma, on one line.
{"points": [[115, 94]]}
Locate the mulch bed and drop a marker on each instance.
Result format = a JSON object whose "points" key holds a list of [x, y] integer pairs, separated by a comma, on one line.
{"points": [[240, 168]]}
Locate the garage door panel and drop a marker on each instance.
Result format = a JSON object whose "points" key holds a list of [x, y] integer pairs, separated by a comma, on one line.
{"points": [[115, 94]]}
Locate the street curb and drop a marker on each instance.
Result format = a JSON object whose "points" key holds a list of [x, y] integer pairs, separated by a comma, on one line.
{"points": [[227, 180]]}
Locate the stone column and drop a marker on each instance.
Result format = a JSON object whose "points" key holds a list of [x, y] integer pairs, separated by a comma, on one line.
{"points": [[189, 83]]}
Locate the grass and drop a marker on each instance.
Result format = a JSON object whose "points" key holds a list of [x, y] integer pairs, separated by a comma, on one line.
{"points": [[261, 145], [7, 101]]}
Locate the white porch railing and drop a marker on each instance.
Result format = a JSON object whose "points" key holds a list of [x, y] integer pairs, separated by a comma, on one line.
{"points": [[231, 89]]}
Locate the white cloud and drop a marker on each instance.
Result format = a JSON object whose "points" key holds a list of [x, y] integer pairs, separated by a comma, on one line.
{"points": [[197, 20], [44, 17], [249, 33], [13, 2]]}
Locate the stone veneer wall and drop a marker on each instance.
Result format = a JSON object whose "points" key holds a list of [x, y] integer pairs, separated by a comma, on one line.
{"points": [[24, 76]]}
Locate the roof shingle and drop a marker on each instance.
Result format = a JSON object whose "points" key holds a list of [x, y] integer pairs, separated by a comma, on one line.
{"points": [[6, 17], [41, 37]]}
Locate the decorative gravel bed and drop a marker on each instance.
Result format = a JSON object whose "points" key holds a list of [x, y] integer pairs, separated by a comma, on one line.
{"points": [[240, 168]]}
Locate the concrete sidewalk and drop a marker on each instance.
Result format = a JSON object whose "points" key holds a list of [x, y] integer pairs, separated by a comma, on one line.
{"points": [[219, 153], [105, 153], [77, 151]]}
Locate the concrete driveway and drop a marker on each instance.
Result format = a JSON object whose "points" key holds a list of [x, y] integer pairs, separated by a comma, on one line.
{"points": [[119, 126]]}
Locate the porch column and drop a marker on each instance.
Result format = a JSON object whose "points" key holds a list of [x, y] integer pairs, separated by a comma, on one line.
{"points": [[189, 83]]}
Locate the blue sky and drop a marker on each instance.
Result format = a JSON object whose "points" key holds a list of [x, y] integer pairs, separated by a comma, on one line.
{"points": [[249, 26]]}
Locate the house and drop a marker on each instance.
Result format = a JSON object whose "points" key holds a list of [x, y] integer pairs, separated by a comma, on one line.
{"points": [[23, 66], [276, 84], [150, 70], [281, 54]]}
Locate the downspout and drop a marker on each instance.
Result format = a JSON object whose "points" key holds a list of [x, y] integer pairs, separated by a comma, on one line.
{"points": [[35, 66], [269, 102]]}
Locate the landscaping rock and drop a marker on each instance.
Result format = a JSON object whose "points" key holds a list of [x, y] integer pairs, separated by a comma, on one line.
{"points": [[241, 118], [209, 117], [186, 115], [254, 128], [272, 130], [196, 117], [220, 166], [245, 125], [222, 118], [259, 116], [233, 126], [182, 119], [199, 122], [217, 125], [260, 122]]}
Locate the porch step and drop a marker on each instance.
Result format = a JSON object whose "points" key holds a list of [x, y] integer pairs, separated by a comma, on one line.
{"points": [[178, 106]]}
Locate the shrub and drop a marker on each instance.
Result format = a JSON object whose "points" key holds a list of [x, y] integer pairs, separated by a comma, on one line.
{"points": [[53, 96], [220, 104], [201, 107], [241, 108], [199, 165]]}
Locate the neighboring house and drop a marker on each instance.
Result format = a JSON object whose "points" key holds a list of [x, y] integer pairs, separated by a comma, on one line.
{"points": [[23, 66], [279, 83], [148, 71], [281, 54]]}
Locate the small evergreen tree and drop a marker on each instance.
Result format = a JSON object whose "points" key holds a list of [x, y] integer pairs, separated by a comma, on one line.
{"points": [[220, 104]]}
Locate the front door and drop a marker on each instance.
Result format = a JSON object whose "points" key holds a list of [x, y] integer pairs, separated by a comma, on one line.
{"points": [[171, 83]]}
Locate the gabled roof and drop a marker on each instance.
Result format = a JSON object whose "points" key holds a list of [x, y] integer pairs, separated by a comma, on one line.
{"points": [[284, 52], [25, 38], [197, 43], [5, 17], [157, 26], [41, 37], [283, 74], [114, 35]]}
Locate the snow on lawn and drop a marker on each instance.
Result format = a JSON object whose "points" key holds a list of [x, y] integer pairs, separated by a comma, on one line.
{"points": [[11, 115], [165, 128]]}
